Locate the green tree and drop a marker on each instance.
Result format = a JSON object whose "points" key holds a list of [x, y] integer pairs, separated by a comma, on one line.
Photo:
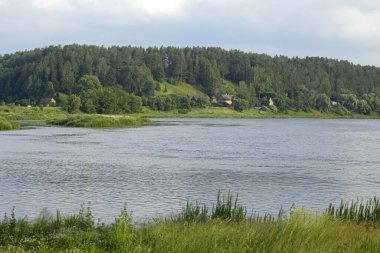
{"points": [[323, 103], [363, 107], [87, 82], [72, 104]]}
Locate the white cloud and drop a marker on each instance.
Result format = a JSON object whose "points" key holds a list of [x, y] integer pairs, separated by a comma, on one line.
{"points": [[149, 8], [163, 7], [355, 24], [53, 5], [3, 2], [345, 29]]}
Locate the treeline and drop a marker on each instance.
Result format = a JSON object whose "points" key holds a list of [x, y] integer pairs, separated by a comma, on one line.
{"points": [[292, 83]]}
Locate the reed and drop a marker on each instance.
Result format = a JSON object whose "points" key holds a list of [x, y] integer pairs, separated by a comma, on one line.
{"points": [[8, 124], [228, 208], [357, 211], [224, 228], [99, 121]]}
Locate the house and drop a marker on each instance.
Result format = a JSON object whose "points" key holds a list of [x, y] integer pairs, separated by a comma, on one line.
{"points": [[52, 102], [48, 102], [226, 100]]}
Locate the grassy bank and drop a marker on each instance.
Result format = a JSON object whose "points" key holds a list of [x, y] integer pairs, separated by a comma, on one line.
{"points": [[96, 120], [12, 112], [53, 114], [222, 112], [57, 116], [6, 124], [225, 227]]}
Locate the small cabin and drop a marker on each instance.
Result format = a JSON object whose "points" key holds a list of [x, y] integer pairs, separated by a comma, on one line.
{"points": [[226, 100], [52, 102], [48, 102]]}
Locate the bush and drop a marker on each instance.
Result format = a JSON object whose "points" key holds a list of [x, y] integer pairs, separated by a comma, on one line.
{"points": [[72, 104], [323, 103], [363, 107], [240, 105]]}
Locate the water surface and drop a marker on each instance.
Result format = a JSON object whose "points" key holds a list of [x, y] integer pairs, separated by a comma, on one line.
{"points": [[271, 163]]}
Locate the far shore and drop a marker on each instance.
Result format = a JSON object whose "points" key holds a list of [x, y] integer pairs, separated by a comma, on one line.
{"points": [[57, 116], [223, 112]]}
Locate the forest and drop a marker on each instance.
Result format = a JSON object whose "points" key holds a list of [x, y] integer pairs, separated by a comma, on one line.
{"points": [[122, 79]]}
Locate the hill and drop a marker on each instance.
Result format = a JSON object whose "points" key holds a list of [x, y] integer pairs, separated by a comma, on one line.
{"points": [[291, 83]]}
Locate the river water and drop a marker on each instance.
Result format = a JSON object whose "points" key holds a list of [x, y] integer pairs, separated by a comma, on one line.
{"points": [[271, 163]]}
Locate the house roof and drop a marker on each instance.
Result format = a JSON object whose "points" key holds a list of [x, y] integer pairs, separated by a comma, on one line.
{"points": [[227, 97]]}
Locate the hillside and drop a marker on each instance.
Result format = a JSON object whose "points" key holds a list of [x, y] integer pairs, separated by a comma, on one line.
{"points": [[291, 83]]}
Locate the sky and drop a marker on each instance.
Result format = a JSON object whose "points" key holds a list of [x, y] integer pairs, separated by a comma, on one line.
{"points": [[339, 29]]}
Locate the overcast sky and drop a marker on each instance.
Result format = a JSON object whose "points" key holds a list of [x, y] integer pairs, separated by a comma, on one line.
{"points": [[342, 29]]}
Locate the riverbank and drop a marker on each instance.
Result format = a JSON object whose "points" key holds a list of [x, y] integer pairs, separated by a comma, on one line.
{"points": [[223, 228], [57, 116], [6, 124], [223, 112]]}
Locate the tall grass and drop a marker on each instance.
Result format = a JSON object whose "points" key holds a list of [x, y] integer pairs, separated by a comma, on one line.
{"points": [[198, 228], [358, 211], [95, 120], [8, 124], [228, 208]]}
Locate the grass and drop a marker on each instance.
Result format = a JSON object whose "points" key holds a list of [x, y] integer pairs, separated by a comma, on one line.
{"points": [[6, 124], [223, 228], [12, 112], [99, 121], [54, 115], [357, 211], [223, 112], [182, 89]]}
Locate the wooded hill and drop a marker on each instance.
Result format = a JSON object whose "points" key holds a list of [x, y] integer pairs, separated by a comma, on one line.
{"points": [[292, 83]]}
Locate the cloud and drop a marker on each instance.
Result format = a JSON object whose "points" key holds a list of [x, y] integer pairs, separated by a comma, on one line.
{"points": [[355, 24], [110, 8], [345, 29], [52, 5], [160, 8], [3, 2]]}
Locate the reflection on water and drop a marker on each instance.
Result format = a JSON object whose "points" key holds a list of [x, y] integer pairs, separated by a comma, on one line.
{"points": [[270, 163]]}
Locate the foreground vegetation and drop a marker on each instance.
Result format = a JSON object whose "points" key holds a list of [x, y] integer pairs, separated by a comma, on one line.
{"points": [[226, 227]]}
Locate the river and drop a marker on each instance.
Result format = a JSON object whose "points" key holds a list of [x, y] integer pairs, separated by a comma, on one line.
{"points": [[271, 163]]}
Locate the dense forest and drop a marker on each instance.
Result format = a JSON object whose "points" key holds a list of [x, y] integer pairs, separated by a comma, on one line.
{"points": [[127, 77]]}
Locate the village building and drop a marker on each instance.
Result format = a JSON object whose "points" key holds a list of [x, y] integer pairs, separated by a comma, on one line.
{"points": [[226, 100]]}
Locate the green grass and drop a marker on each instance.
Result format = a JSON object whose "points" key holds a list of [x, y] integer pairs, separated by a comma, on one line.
{"points": [[12, 112], [182, 89], [196, 229], [99, 121], [223, 112], [8, 124]]}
